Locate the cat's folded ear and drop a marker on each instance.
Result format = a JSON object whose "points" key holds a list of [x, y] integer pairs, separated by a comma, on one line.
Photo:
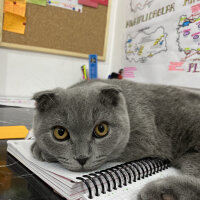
{"points": [[45, 100], [110, 95]]}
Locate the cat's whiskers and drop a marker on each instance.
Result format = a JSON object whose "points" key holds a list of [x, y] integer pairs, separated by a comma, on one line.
{"points": [[62, 158], [101, 156], [64, 161], [94, 166], [99, 161]]}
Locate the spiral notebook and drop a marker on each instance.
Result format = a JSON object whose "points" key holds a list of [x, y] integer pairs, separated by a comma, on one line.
{"points": [[112, 181]]}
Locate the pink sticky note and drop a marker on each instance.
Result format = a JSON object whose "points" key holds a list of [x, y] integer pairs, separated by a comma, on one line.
{"points": [[129, 72], [89, 3], [103, 2], [176, 66]]}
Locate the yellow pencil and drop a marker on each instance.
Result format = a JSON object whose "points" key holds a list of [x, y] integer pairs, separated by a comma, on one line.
{"points": [[85, 73]]}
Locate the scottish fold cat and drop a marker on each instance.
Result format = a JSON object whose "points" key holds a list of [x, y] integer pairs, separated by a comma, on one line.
{"points": [[93, 122]]}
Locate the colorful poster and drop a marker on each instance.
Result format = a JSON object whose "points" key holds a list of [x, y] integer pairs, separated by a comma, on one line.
{"points": [[89, 3], [17, 7], [67, 4], [162, 40], [14, 23], [103, 2], [38, 2]]}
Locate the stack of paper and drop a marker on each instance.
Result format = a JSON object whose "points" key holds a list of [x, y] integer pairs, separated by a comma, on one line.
{"points": [[64, 182]]}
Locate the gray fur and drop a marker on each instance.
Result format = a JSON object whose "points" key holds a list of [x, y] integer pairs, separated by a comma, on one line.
{"points": [[144, 121]]}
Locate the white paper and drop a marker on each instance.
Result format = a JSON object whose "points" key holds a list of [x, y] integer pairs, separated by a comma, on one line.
{"points": [[67, 4], [17, 102], [131, 191]]}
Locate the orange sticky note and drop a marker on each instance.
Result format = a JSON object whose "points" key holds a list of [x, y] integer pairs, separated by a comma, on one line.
{"points": [[17, 7], [9, 132], [14, 23]]}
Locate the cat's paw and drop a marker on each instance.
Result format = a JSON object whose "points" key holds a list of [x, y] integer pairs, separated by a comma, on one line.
{"points": [[40, 155], [37, 153], [157, 190]]}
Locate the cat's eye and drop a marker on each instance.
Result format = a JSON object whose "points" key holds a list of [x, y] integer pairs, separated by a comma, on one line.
{"points": [[101, 130], [60, 133]]}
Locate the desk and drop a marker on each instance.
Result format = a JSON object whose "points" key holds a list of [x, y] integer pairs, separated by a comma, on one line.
{"points": [[16, 181], [14, 116]]}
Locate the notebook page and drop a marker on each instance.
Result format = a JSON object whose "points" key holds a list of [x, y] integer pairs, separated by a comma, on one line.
{"points": [[131, 191], [23, 147], [18, 150]]}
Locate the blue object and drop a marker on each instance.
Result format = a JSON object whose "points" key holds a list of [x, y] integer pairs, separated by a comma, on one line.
{"points": [[93, 72], [187, 23]]}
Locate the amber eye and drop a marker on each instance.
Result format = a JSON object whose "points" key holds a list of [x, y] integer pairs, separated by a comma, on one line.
{"points": [[101, 130], [60, 133]]}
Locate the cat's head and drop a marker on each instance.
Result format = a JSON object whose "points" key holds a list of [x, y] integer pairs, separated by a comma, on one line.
{"points": [[83, 126]]}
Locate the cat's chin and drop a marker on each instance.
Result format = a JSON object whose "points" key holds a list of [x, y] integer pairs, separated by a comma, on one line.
{"points": [[72, 168]]}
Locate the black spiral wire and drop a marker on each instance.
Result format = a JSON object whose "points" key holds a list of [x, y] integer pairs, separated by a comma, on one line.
{"points": [[125, 174]]}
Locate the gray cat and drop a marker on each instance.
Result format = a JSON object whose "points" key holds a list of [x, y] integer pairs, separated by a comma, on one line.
{"points": [[93, 122]]}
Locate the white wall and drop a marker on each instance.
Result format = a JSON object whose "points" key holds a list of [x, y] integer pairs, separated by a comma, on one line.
{"points": [[119, 36], [22, 72]]}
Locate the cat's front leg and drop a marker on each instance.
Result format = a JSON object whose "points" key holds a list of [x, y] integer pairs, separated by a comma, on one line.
{"points": [[185, 187], [41, 155]]}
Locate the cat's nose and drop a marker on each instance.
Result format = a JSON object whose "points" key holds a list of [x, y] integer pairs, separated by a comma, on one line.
{"points": [[82, 161]]}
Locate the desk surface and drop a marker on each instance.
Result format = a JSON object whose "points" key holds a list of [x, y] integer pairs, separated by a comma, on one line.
{"points": [[14, 116], [16, 181]]}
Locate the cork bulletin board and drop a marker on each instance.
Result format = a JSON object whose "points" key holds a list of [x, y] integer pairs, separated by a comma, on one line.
{"points": [[60, 31]]}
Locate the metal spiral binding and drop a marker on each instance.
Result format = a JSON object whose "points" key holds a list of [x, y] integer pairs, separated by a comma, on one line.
{"points": [[127, 171], [107, 180], [136, 167], [123, 174], [117, 175], [101, 182]]}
